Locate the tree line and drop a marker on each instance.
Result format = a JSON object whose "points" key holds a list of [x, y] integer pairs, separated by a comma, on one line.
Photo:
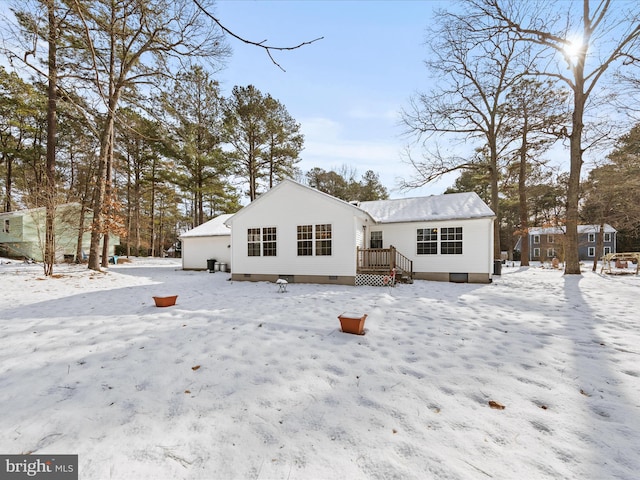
{"points": [[121, 112], [511, 80], [115, 105]]}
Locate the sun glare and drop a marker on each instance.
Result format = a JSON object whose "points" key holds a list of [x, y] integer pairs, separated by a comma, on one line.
{"points": [[572, 48]]}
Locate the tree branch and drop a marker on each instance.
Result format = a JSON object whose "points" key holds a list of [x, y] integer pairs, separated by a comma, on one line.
{"points": [[267, 48]]}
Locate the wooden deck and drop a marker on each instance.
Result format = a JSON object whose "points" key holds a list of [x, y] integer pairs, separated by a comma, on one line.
{"points": [[381, 261]]}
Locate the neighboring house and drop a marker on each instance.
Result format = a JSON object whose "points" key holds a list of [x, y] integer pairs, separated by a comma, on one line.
{"points": [[22, 233], [303, 235], [545, 243], [209, 241]]}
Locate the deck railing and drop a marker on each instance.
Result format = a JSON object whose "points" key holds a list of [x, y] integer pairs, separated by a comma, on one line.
{"points": [[383, 260]]}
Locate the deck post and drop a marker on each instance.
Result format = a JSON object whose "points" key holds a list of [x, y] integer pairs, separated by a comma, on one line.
{"points": [[392, 259]]}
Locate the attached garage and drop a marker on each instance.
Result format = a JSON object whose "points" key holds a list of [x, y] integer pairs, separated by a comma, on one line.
{"points": [[206, 242]]}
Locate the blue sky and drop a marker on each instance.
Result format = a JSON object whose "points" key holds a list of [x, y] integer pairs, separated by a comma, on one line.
{"points": [[347, 89]]}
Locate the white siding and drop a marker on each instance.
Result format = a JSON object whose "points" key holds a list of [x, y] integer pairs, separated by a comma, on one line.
{"points": [[287, 208], [197, 250], [477, 245]]}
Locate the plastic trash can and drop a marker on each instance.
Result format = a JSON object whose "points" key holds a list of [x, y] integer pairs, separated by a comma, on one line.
{"points": [[211, 265], [497, 267]]}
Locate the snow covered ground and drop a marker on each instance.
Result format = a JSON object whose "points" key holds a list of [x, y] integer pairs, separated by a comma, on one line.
{"points": [[238, 381]]}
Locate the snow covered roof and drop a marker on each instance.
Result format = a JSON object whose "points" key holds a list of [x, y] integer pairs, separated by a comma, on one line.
{"points": [[288, 187], [435, 207], [214, 227], [560, 230]]}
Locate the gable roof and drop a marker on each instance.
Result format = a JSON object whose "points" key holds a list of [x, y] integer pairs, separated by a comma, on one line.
{"points": [[561, 229], [288, 183], [214, 227], [435, 207]]}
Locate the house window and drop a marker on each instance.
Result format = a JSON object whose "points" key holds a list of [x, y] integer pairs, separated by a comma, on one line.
{"points": [[253, 242], [549, 238], [591, 238], [607, 237], [269, 241], [376, 240], [323, 239], [427, 241], [536, 239], [451, 241], [607, 250], [551, 252], [536, 253], [305, 240], [261, 241], [592, 251]]}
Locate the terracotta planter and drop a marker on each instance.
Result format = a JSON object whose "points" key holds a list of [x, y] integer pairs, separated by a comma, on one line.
{"points": [[351, 323], [165, 301]]}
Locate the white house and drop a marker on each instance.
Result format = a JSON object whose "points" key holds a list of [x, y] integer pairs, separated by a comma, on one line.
{"points": [[209, 241], [447, 237], [303, 235]]}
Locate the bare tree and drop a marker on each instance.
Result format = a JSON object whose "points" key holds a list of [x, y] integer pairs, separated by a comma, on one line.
{"points": [[129, 44], [476, 68], [537, 114], [47, 25], [585, 42], [612, 190]]}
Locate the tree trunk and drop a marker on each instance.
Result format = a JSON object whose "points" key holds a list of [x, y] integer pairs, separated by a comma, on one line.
{"points": [[572, 261], [252, 176], [50, 191], [106, 144], [8, 184], [99, 196], [599, 253], [129, 215], [495, 199], [108, 210], [80, 233], [522, 200], [152, 213]]}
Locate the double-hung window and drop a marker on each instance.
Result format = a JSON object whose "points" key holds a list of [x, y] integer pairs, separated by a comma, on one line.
{"points": [[262, 242], [323, 239], [269, 243], [451, 241], [427, 241], [376, 239], [305, 240], [314, 237], [253, 242]]}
